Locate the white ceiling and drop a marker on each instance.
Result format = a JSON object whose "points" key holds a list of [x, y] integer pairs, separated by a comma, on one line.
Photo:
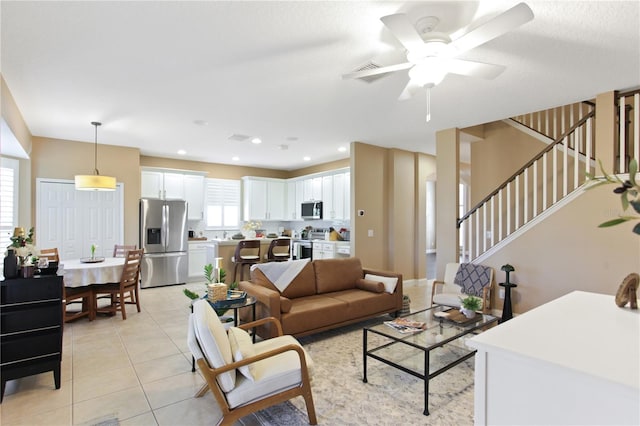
{"points": [[149, 69]]}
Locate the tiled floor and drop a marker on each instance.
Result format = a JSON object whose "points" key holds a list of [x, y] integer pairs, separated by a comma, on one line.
{"points": [[137, 371]]}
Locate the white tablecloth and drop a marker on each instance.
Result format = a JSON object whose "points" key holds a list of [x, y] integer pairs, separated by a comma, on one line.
{"points": [[78, 274]]}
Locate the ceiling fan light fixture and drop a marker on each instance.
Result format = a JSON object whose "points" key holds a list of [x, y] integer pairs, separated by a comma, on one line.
{"points": [[95, 182], [430, 72]]}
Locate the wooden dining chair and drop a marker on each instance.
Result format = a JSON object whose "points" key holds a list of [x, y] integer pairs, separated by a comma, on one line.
{"points": [[121, 250], [71, 295], [127, 288]]}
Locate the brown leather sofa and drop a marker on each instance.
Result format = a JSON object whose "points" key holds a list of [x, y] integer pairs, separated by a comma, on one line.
{"points": [[326, 294]]}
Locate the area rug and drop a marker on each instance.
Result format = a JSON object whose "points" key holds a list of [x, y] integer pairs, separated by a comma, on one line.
{"points": [[390, 396]]}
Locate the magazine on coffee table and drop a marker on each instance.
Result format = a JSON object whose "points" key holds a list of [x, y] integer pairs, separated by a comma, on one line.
{"points": [[406, 326]]}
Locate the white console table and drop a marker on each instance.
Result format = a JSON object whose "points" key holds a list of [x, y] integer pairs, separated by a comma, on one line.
{"points": [[575, 360]]}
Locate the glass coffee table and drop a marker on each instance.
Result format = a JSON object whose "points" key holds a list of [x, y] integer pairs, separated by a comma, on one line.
{"points": [[412, 352]]}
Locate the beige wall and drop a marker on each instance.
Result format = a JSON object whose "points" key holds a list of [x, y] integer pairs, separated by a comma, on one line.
{"points": [[567, 251], [447, 161], [389, 185], [501, 153], [369, 193], [62, 159]]}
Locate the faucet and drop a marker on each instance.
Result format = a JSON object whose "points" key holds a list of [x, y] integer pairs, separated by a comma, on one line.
{"points": [[224, 235]]}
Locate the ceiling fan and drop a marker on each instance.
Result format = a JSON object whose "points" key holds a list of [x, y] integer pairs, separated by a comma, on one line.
{"points": [[432, 55]]}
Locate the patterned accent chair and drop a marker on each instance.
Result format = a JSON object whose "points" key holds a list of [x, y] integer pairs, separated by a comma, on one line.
{"points": [[460, 281]]}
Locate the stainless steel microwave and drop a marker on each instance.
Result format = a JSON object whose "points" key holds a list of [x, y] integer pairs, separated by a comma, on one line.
{"points": [[311, 210]]}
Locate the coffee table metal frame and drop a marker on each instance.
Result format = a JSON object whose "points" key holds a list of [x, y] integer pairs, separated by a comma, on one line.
{"points": [[400, 338]]}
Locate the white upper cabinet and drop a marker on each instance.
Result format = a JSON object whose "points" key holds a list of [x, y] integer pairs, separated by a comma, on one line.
{"points": [[263, 199], [194, 194], [335, 192], [295, 197], [172, 185], [151, 184]]}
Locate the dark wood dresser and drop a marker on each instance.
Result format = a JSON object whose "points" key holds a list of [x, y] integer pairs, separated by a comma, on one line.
{"points": [[30, 327]]}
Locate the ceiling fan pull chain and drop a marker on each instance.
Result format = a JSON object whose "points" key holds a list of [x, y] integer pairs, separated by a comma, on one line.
{"points": [[428, 103]]}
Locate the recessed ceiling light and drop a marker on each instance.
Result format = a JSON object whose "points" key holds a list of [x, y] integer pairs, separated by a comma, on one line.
{"points": [[342, 149], [256, 141], [235, 158], [181, 152], [306, 158], [200, 122]]}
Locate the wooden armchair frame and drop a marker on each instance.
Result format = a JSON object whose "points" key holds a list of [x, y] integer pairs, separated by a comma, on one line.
{"points": [[230, 415]]}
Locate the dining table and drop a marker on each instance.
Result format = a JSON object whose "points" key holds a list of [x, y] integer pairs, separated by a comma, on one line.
{"points": [[86, 271]]}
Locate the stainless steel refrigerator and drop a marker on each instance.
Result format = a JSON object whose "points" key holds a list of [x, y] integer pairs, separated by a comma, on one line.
{"points": [[163, 236]]}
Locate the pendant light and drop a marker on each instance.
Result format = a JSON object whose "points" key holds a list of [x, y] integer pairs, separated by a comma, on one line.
{"points": [[95, 182]]}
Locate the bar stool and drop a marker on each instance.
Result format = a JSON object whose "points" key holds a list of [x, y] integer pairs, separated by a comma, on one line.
{"points": [[279, 255], [247, 253]]}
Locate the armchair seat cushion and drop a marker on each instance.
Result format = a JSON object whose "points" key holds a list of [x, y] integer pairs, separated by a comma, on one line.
{"points": [[273, 375], [451, 299]]}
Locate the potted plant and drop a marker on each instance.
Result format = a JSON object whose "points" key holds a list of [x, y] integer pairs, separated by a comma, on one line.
{"points": [[470, 305], [211, 279]]}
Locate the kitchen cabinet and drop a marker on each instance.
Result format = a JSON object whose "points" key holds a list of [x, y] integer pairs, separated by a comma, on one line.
{"points": [[263, 199], [295, 198], [194, 195], [175, 186], [324, 250], [312, 188], [30, 327], [335, 203]]}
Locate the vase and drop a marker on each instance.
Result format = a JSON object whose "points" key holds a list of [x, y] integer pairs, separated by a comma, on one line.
{"points": [[249, 234], [27, 271], [10, 265], [468, 313]]}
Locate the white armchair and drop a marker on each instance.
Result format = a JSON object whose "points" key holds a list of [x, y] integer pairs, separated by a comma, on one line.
{"points": [[244, 376], [448, 293]]}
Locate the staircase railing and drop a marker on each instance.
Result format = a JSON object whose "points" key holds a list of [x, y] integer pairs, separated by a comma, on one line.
{"points": [[553, 173], [554, 122]]}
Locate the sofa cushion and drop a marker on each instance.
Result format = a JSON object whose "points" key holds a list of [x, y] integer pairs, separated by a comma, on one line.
{"points": [[362, 303], [369, 285], [309, 313], [241, 348], [302, 285], [337, 274], [214, 342], [389, 283]]}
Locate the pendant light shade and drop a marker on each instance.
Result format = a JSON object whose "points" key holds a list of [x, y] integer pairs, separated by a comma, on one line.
{"points": [[95, 182]]}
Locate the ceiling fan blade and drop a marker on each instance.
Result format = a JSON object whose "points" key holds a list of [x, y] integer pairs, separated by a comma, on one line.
{"points": [[473, 69], [501, 24], [401, 27], [410, 90], [376, 71]]}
